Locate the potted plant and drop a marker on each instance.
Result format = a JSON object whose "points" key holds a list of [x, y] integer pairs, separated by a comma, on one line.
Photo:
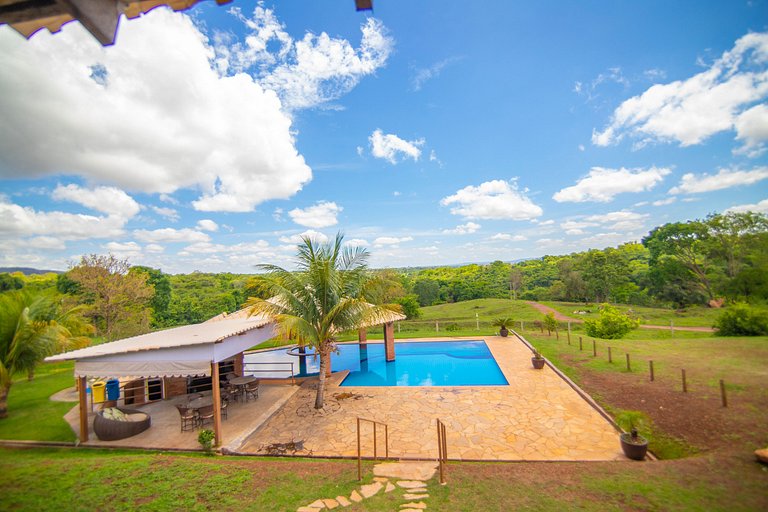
{"points": [[634, 445], [502, 324], [537, 360]]}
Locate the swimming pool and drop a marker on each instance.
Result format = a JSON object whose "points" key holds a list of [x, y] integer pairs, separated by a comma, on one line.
{"points": [[441, 363]]}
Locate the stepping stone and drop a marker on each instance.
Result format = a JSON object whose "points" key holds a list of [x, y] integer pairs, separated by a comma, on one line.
{"points": [[317, 504], [331, 504], [380, 479], [406, 470], [390, 487], [410, 484], [411, 510], [344, 502], [409, 496], [307, 509], [369, 490], [419, 505], [355, 496], [417, 490]]}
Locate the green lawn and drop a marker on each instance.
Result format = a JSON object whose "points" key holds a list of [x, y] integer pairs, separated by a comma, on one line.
{"points": [[85, 479], [31, 413]]}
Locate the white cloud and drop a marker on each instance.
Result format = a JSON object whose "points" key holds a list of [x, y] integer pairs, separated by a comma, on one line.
{"points": [[321, 215], [123, 250], [602, 185], [423, 75], [761, 207], [48, 243], [160, 121], [304, 73], [396, 193], [507, 236], [170, 235], [167, 198], [20, 221], [549, 243], [356, 242], [391, 241], [692, 110], [109, 200], [752, 128], [664, 202], [725, 178], [207, 225], [297, 239], [623, 220], [169, 213], [462, 229], [497, 199], [360, 150], [390, 147], [548, 222], [154, 248]]}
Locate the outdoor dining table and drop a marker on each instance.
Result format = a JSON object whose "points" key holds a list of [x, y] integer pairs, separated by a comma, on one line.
{"points": [[241, 382], [199, 403]]}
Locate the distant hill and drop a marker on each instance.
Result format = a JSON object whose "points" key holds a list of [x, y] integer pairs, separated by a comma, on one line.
{"points": [[28, 271]]}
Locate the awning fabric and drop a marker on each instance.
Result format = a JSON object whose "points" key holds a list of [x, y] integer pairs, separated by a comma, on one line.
{"points": [[142, 368]]}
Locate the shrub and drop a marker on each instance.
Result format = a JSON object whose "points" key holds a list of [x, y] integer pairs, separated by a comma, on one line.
{"points": [[205, 438], [452, 327], [612, 324], [742, 320], [410, 305], [550, 323]]}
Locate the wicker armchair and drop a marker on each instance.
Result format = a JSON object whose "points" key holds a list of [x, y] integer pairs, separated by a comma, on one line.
{"points": [[112, 430], [252, 390], [188, 418], [204, 414]]}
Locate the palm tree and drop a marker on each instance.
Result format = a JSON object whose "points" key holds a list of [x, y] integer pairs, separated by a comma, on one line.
{"points": [[31, 328], [322, 298]]}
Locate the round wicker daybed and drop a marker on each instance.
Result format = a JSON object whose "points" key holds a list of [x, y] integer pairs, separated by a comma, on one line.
{"points": [[107, 429]]}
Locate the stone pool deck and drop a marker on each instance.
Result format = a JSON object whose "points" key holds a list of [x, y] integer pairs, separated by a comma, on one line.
{"points": [[537, 417]]}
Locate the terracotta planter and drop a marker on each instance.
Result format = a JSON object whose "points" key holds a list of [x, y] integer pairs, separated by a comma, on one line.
{"points": [[634, 449], [538, 363], [504, 332]]}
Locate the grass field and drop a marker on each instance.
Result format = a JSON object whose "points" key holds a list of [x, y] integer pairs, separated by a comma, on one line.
{"points": [[31, 413]]}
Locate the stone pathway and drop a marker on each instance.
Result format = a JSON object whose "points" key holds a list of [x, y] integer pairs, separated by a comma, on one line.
{"points": [[537, 417], [411, 477]]}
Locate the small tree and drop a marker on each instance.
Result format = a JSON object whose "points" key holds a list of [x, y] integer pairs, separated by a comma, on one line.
{"points": [[117, 299], [31, 328], [742, 320], [611, 324], [550, 323], [410, 305]]}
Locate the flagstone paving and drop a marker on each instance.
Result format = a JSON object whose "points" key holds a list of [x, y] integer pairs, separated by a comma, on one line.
{"points": [[538, 416]]}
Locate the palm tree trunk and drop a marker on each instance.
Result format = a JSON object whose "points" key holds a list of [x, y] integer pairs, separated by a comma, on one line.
{"points": [[320, 398], [31, 373], [4, 401]]}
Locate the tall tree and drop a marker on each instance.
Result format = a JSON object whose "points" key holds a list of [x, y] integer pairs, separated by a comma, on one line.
{"points": [[161, 299], [515, 281], [32, 326], [117, 299], [321, 299]]}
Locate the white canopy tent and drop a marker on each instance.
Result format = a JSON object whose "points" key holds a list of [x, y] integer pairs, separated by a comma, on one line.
{"points": [[191, 350]]}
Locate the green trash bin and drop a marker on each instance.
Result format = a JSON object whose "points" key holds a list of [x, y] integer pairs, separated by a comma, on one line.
{"points": [[99, 392]]}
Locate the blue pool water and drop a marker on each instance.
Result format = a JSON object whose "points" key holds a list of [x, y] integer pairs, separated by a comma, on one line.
{"points": [[453, 363]]}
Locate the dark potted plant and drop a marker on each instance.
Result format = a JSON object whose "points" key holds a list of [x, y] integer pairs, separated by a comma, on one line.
{"points": [[537, 360], [502, 324], [634, 445]]}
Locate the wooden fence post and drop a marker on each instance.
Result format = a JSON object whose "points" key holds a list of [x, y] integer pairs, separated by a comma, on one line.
{"points": [[581, 346], [594, 349], [610, 358], [685, 384], [650, 367], [629, 367], [722, 393]]}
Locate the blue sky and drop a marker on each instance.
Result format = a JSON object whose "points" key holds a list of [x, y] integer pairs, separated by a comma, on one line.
{"points": [[429, 132]]}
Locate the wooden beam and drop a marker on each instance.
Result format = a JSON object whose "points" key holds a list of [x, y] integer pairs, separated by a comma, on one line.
{"points": [[28, 11], [389, 341], [83, 395], [216, 402], [100, 17]]}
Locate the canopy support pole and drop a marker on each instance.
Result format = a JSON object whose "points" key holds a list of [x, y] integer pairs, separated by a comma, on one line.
{"points": [[389, 340], [216, 402], [83, 395]]}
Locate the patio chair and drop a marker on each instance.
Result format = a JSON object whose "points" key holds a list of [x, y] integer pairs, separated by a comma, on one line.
{"points": [[204, 414], [224, 409], [188, 417], [252, 390]]}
